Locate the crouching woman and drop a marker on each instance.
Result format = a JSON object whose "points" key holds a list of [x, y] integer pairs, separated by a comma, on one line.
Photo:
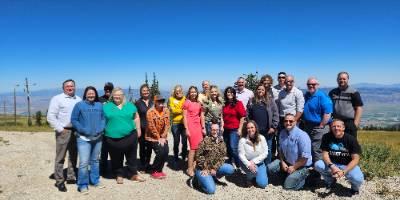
{"points": [[210, 159]]}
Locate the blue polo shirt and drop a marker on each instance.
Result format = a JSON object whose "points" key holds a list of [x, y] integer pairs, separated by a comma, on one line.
{"points": [[316, 105], [294, 145]]}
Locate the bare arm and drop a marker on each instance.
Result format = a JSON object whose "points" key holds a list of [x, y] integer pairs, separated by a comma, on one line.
{"points": [[325, 120], [357, 115], [137, 123]]}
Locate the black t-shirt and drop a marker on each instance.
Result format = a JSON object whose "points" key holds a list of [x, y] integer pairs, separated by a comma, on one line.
{"points": [[340, 150]]}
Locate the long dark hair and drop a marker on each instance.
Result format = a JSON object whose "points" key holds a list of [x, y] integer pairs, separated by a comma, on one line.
{"points": [[188, 93], [256, 138], [96, 98], [266, 98], [233, 91]]}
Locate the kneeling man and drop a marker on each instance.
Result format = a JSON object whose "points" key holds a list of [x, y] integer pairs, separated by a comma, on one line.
{"points": [[294, 155], [340, 157]]}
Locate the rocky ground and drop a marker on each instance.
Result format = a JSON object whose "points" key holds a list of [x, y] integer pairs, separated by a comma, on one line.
{"points": [[26, 161]]}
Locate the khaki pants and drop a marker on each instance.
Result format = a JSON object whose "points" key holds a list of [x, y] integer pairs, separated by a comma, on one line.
{"points": [[65, 142]]}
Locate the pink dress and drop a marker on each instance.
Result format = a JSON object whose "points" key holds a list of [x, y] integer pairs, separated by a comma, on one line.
{"points": [[193, 114]]}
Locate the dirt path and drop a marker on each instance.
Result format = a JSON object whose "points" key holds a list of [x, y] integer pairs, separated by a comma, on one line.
{"points": [[26, 161]]}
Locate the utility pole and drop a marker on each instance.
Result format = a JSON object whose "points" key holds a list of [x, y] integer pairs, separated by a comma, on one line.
{"points": [[29, 101], [4, 107], [130, 94], [15, 105]]}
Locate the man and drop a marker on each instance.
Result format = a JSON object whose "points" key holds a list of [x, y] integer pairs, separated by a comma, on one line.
{"points": [[294, 155], [204, 94], [59, 118], [108, 87], [347, 104], [316, 115], [290, 100], [281, 81], [340, 157], [243, 94]]}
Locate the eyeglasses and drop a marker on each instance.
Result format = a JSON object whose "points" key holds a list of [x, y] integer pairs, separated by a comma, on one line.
{"points": [[288, 121], [291, 81], [312, 84], [281, 77]]}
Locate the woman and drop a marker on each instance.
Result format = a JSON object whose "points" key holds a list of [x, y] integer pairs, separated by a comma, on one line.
{"points": [[252, 153], [263, 110], [122, 135], [175, 104], [213, 109], [143, 104], [233, 114], [156, 135], [88, 120], [193, 119], [210, 160]]}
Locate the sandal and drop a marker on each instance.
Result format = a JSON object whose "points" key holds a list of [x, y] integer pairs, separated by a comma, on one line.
{"points": [[120, 180], [190, 172]]}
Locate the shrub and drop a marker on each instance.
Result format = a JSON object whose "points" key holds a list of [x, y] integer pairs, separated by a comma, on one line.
{"points": [[379, 160]]}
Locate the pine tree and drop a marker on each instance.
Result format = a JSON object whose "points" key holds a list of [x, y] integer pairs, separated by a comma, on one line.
{"points": [[252, 81], [154, 89], [146, 81]]}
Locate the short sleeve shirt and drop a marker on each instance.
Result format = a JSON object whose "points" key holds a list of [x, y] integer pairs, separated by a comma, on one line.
{"points": [[340, 149]]}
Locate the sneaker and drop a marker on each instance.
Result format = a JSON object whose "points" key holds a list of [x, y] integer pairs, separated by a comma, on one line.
{"points": [[354, 192], [163, 175], [157, 175], [84, 190], [330, 187], [99, 185]]}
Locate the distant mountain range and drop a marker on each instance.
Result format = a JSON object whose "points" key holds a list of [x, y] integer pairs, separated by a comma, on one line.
{"points": [[372, 95]]}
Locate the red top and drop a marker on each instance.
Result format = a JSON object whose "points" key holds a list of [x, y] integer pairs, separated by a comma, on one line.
{"points": [[232, 115]]}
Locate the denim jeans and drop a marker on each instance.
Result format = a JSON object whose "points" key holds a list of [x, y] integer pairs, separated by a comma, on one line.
{"points": [[260, 175], [355, 176], [89, 152], [207, 183], [268, 138], [231, 139], [293, 181], [178, 132]]}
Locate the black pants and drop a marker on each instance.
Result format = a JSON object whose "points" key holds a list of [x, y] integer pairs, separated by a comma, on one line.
{"points": [[104, 157], [350, 127], [161, 156], [144, 149], [120, 147]]}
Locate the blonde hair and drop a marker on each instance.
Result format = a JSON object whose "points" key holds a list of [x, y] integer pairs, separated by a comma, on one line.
{"points": [[219, 97], [174, 90], [118, 89]]}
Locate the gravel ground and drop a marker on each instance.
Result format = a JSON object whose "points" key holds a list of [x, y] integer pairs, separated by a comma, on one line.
{"points": [[26, 161]]}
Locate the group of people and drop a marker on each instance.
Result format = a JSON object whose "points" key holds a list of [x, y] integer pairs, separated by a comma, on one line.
{"points": [[272, 131]]}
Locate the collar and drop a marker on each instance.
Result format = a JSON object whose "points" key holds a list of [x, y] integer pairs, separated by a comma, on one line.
{"points": [[70, 97]]}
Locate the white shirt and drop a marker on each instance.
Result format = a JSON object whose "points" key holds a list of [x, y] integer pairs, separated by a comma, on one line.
{"points": [[247, 152], [60, 110], [244, 96]]}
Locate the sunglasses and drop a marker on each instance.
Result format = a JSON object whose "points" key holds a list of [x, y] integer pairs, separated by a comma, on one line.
{"points": [[281, 77], [312, 84], [290, 121]]}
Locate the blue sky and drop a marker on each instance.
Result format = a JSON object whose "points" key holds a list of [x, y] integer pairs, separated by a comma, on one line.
{"points": [[188, 41]]}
